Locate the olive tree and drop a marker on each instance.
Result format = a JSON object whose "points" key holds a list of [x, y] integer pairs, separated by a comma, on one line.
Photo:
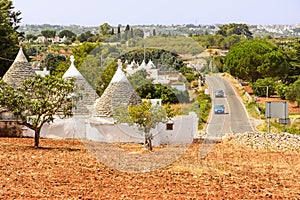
{"points": [[37, 101], [145, 115]]}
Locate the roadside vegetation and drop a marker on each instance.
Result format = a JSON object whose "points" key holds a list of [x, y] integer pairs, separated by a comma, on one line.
{"points": [[256, 110]]}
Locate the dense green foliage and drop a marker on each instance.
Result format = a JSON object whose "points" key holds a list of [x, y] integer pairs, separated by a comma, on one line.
{"points": [[255, 59], [201, 106], [30, 37], [104, 31], [144, 115], [171, 95], [291, 48], [105, 77], [68, 34], [234, 29], [204, 101], [37, 100], [146, 89], [141, 83], [48, 33], [9, 21], [225, 37], [219, 63], [264, 87], [82, 51], [218, 41], [52, 61], [293, 92], [281, 90]]}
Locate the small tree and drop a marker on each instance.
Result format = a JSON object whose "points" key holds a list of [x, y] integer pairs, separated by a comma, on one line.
{"points": [[281, 90], [293, 93], [48, 33], [145, 115], [263, 86], [67, 33], [37, 100], [170, 112]]}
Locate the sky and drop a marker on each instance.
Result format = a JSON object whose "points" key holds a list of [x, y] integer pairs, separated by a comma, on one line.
{"points": [[141, 12]]}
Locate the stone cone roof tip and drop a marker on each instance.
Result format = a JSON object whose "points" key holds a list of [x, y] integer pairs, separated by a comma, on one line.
{"points": [[21, 56], [118, 92], [119, 76], [19, 70], [72, 72]]}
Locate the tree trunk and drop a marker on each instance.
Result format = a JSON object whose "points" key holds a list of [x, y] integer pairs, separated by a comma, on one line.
{"points": [[148, 140], [150, 144], [37, 137]]}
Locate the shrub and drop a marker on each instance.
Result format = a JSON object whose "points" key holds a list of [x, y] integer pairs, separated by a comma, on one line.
{"points": [[281, 90], [263, 86]]}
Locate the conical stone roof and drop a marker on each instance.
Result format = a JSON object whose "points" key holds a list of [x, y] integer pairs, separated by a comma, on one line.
{"points": [[118, 92], [72, 72], [85, 94], [19, 71]]}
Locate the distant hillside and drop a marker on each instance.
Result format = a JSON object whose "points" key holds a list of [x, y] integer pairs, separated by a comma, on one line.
{"points": [[276, 31], [36, 29]]}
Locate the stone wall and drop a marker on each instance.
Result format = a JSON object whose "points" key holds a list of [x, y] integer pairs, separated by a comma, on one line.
{"points": [[10, 128]]}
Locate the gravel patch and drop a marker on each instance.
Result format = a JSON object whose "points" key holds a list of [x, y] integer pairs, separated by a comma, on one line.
{"points": [[283, 141]]}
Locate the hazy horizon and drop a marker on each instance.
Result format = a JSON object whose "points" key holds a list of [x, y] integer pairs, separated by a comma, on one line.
{"points": [[176, 12]]}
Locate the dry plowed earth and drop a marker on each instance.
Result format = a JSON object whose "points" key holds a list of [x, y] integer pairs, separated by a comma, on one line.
{"points": [[66, 169]]}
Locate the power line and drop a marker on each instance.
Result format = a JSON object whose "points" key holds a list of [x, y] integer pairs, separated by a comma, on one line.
{"points": [[6, 59]]}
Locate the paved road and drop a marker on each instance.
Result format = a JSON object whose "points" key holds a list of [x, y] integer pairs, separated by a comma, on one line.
{"points": [[235, 119]]}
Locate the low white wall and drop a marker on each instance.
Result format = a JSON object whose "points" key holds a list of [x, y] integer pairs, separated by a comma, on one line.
{"points": [[184, 130], [112, 133], [70, 128]]}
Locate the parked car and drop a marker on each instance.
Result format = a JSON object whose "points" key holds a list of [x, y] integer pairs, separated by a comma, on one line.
{"points": [[219, 93], [219, 109]]}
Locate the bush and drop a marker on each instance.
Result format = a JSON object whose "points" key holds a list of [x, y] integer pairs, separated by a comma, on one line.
{"points": [[195, 84], [263, 86], [293, 92], [190, 77], [281, 90]]}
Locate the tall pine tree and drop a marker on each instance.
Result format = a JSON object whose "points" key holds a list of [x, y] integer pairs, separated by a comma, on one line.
{"points": [[9, 20]]}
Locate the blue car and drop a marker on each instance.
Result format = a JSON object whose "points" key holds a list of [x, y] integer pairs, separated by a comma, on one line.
{"points": [[219, 109]]}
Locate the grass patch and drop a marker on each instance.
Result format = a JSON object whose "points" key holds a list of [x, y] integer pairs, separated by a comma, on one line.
{"points": [[275, 127], [254, 110]]}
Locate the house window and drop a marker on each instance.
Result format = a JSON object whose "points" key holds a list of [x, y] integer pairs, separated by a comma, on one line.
{"points": [[169, 125]]}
